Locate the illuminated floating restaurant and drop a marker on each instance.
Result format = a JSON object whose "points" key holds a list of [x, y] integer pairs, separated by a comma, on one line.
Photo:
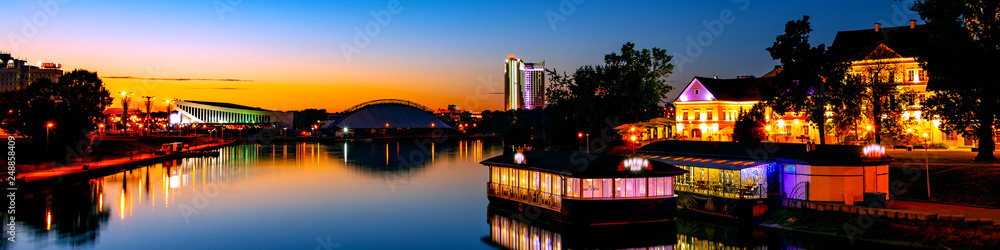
{"points": [[583, 189], [744, 180]]}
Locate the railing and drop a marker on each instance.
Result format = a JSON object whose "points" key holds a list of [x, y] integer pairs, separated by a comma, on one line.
{"points": [[533, 197], [728, 191]]}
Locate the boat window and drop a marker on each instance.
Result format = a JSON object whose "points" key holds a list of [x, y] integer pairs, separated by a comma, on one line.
{"points": [[535, 180]]}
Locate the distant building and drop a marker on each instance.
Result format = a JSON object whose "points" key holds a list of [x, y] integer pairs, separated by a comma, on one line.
{"points": [[187, 112], [524, 84], [16, 73]]}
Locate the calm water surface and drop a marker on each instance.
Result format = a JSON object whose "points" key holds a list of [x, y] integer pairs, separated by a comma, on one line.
{"points": [[360, 195]]}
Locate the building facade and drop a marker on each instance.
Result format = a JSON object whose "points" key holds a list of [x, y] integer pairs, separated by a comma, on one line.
{"points": [[892, 50], [188, 112], [524, 84], [708, 107], [16, 73]]}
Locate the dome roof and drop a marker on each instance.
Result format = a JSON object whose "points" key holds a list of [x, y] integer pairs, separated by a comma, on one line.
{"points": [[388, 114]]}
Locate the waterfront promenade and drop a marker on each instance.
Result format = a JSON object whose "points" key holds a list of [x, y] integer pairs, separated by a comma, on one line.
{"points": [[48, 171]]}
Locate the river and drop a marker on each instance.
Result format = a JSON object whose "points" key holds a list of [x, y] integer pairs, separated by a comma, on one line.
{"points": [[419, 194]]}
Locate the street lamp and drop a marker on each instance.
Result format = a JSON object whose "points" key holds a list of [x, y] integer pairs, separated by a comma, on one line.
{"points": [[633, 144], [48, 126], [927, 168], [581, 135]]}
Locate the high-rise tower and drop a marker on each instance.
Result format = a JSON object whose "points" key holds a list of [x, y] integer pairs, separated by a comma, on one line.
{"points": [[524, 84]]}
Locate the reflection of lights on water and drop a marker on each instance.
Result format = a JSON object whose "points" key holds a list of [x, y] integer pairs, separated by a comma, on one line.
{"points": [[345, 151], [121, 205], [48, 220], [175, 181], [100, 202]]}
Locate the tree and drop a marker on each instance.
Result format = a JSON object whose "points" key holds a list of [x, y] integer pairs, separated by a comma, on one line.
{"points": [[74, 105], [749, 126], [961, 52], [802, 84], [629, 86]]}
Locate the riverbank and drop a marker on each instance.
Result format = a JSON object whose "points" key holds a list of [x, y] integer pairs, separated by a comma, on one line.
{"points": [[954, 177], [48, 174], [883, 230]]}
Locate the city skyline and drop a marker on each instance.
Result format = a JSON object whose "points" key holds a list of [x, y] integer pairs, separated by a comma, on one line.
{"points": [[298, 56]]}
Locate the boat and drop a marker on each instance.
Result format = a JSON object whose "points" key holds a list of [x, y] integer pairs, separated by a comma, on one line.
{"points": [[578, 188]]}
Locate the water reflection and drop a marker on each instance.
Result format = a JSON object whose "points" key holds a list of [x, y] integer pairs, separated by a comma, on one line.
{"points": [[74, 214], [408, 157], [515, 230]]}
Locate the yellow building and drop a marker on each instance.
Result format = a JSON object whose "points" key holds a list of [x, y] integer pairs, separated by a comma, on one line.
{"points": [[707, 109], [892, 50]]}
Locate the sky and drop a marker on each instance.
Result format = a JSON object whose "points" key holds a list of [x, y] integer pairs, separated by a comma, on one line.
{"points": [[285, 55]]}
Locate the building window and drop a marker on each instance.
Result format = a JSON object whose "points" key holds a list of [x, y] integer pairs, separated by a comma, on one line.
{"points": [[695, 91], [710, 115], [685, 116], [697, 114]]}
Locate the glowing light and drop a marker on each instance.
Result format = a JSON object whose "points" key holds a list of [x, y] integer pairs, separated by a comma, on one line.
{"points": [[874, 151], [796, 121], [519, 158], [48, 220], [869, 128], [635, 164], [50, 124], [345, 129], [175, 181], [579, 135], [925, 135], [781, 123], [680, 127], [633, 138], [909, 130]]}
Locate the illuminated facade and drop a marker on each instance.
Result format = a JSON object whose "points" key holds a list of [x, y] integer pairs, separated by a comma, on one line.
{"points": [[893, 50], [707, 109], [524, 84], [187, 112], [742, 180], [609, 189]]}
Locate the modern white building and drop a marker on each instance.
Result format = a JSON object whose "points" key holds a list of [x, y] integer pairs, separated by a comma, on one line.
{"points": [[187, 112]]}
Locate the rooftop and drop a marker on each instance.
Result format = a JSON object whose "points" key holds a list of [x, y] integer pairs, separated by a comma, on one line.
{"points": [[227, 105], [581, 165], [741, 89], [859, 44], [823, 155]]}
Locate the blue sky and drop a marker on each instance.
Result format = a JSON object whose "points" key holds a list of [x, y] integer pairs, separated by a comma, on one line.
{"points": [[432, 52]]}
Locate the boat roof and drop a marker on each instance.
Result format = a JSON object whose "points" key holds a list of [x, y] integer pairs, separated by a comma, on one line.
{"points": [[763, 153], [707, 162], [582, 165]]}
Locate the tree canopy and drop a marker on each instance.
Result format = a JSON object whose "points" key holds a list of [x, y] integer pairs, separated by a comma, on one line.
{"points": [[961, 52], [802, 84], [73, 105], [628, 87]]}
